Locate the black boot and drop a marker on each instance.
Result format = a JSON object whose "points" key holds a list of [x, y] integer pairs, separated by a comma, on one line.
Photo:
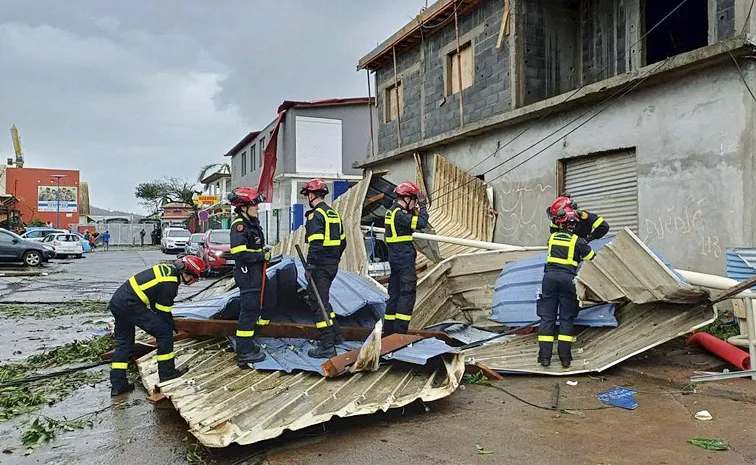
{"points": [[256, 356], [388, 328], [119, 384], [338, 338], [544, 362], [566, 363], [322, 350], [167, 370]]}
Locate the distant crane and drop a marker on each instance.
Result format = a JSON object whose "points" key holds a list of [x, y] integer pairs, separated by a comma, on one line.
{"points": [[17, 147]]}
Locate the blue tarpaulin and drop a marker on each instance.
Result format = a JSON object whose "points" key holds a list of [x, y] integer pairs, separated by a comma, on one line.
{"points": [[420, 352], [289, 354], [619, 397]]}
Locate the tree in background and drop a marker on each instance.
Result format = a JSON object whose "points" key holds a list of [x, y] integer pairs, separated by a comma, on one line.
{"points": [[223, 168], [153, 195]]}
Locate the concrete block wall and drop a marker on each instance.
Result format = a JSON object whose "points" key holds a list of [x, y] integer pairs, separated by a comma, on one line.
{"points": [[726, 19], [602, 39], [428, 111]]}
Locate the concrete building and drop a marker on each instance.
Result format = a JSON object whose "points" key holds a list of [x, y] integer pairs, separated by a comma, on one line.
{"points": [[38, 197], [637, 108], [320, 139], [215, 211]]}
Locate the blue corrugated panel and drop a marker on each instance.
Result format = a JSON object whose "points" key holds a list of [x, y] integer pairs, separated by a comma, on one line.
{"points": [[463, 333], [741, 263], [288, 354], [420, 352]]}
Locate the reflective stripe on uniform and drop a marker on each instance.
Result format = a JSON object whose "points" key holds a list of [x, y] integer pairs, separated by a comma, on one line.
{"points": [[165, 357], [391, 227], [570, 244], [564, 338], [243, 248], [261, 322], [597, 223], [321, 324], [240, 333], [162, 275], [331, 218], [237, 220], [590, 255], [553, 225], [389, 317], [413, 224], [543, 338], [163, 308], [403, 317], [119, 365], [332, 315]]}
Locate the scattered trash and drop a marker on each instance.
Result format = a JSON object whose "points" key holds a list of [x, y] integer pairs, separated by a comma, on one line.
{"points": [[709, 444], [482, 451], [619, 397], [703, 415], [572, 383]]}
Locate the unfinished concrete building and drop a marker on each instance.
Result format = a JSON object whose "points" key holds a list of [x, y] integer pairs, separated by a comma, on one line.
{"points": [[640, 109]]}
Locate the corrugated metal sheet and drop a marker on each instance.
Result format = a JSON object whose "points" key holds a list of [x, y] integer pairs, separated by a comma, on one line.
{"points": [[289, 354], [459, 207], [518, 289], [641, 327], [460, 288], [627, 270], [223, 404], [349, 207], [607, 184], [741, 263], [463, 333], [420, 352]]}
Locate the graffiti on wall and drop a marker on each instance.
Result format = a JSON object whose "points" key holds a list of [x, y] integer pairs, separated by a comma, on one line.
{"points": [[521, 206], [683, 222]]}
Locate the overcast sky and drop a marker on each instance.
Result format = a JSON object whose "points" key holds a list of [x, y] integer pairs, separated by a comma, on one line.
{"points": [[128, 94]]}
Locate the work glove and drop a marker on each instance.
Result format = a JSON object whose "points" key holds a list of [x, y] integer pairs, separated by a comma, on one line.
{"points": [[422, 200], [267, 252]]}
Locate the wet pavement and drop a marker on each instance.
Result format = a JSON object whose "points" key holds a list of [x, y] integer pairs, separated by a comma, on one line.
{"points": [[130, 430]]}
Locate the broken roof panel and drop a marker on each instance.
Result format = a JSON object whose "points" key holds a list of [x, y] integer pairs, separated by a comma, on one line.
{"points": [[420, 352], [289, 354], [223, 404], [741, 263]]}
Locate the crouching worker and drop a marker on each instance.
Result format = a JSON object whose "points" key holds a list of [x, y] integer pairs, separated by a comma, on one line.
{"points": [[558, 296], [146, 300]]}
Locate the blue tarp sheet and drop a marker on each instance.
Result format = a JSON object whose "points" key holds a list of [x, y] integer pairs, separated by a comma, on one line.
{"points": [[289, 354], [420, 352]]}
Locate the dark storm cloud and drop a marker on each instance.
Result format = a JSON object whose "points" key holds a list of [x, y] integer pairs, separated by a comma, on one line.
{"points": [[128, 94]]}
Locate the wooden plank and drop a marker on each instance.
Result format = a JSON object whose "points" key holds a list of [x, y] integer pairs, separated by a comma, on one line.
{"points": [[504, 29], [735, 290], [224, 328], [336, 365], [474, 368]]}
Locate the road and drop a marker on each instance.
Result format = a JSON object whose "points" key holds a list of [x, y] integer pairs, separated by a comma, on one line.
{"points": [[133, 431]]}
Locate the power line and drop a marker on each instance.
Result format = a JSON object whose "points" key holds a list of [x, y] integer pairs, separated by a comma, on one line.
{"points": [[544, 116]]}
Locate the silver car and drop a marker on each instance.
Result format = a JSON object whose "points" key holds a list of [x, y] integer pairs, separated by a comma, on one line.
{"points": [[192, 245]]}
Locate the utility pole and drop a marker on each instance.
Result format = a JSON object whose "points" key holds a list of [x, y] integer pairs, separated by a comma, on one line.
{"points": [[57, 178]]}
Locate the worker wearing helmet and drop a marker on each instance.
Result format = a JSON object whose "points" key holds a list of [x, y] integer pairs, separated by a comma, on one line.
{"points": [[250, 253], [146, 300], [407, 214], [558, 297], [325, 235], [590, 225]]}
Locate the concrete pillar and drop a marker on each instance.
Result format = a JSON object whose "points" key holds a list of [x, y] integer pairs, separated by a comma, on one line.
{"points": [[741, 13]]}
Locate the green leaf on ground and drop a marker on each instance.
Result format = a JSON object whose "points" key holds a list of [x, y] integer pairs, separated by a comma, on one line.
{"points": [[710, 444], [478, 378], [482, 451]]}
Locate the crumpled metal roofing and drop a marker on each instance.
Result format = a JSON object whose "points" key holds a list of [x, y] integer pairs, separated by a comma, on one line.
{"points": [[517, 290], [741, 263], [420, 352], [290, 354], [223, 404], [630, 272]]}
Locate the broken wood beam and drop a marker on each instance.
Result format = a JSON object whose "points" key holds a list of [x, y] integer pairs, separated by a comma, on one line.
{"points": [[224, 328], [474, 368], [735, 290], [334, 366]]}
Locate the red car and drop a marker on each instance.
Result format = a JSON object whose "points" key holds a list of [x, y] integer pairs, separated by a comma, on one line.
{"points": [[213, 245]]}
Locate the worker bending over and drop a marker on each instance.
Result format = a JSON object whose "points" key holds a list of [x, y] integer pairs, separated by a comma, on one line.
{"points": [[565, 251], [407, 214], [327, 241], [146, 300], [590, 225], [250, 253]]}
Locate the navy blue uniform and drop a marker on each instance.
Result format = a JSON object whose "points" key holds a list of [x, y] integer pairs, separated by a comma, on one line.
{"points": [[145, 300], [558, 297], [402, 255], [247, 248], [325, 235], [590, 227]]}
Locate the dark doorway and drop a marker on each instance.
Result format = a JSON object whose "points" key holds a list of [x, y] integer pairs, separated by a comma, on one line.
{"points": [[685, 30]]}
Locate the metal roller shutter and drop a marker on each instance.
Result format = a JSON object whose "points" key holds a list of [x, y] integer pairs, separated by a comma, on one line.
{"points": [[606, 185]]}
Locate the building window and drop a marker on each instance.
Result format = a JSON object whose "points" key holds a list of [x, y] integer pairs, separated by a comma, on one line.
{"points": [[253, 156], [244, 163], [394, 101], [262, 144], [453, 62], [685, 30]]}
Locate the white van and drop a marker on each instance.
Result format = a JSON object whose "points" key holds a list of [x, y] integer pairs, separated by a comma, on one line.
{"points": [[174, 240]]}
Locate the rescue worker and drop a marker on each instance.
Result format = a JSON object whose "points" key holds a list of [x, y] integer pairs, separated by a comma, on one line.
{"points": [[590, 225], [326, 237], [407, 214], [558, 296], [250, 253], [146, 300]]}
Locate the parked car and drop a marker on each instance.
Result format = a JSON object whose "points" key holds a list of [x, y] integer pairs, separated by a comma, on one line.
{"points": [[14, 248], [65, 245], [84, 243], [38, 234], [213, 245], [174, 240], [192, 245]]}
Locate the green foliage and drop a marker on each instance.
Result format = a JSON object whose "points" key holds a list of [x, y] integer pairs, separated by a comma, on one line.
{"points": [[44, 429], [36, 222], [207, 169], [710, 444], [482, 451], [38, 311], [478, 378], [153, 195], [88, 350], [723, 328], [196, 453]]}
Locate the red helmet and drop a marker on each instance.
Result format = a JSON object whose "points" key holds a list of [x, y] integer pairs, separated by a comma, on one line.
{"points": [[566, 215], [243, 196], [316, 186], [191, 264], [407, 189], [561, 203]]}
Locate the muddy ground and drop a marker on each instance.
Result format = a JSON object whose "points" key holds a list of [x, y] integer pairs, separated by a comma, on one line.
{"points": [[452, 431]]}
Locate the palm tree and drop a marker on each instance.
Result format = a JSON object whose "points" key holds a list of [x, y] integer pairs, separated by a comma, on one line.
{"points": [[221, 168]]}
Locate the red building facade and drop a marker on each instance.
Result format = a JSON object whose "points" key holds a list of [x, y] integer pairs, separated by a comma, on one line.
{"points": [[37, 193]]}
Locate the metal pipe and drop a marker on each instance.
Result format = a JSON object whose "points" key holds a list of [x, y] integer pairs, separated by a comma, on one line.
{"points": [[714, 282], [464, 242]]}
